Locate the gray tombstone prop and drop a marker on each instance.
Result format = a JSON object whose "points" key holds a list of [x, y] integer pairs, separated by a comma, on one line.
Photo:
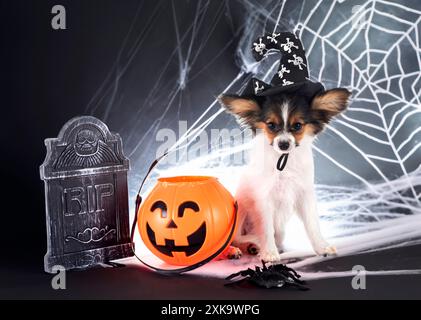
{"points": [[85, 177]]}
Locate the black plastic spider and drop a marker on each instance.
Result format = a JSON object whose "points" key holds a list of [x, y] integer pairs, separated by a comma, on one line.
{"points": [[273, 276]]}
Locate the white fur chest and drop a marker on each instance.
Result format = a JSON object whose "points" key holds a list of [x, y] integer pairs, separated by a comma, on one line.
{"points": [[272, 184]]}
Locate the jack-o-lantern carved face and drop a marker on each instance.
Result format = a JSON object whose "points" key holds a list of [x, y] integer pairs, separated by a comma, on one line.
{"points": [[195, 240], [184, 220]]}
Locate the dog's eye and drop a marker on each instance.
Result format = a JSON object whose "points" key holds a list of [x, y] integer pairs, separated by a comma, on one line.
{"points": [[271, 126], [296, 126]]}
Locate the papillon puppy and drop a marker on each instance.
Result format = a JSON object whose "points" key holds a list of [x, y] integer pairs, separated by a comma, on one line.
{"points": [[267, 195]]}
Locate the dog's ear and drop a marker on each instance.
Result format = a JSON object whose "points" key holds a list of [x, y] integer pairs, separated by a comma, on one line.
{"points": [[246, 110], [329, 104]]}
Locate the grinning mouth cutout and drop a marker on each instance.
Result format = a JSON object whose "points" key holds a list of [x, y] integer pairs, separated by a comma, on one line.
{"points": [[195, 240]]}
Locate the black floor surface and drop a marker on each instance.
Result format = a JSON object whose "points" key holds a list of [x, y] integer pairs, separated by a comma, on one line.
{"points": [[135, 282]]}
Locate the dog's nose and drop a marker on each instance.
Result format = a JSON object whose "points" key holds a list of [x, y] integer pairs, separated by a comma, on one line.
{"points": [[283, 145]]}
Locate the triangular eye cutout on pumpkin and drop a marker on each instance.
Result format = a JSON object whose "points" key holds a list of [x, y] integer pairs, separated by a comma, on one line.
{"points": [[172, 225]]}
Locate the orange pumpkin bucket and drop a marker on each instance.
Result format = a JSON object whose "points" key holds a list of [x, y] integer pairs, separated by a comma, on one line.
{"points": [[187, 219]]}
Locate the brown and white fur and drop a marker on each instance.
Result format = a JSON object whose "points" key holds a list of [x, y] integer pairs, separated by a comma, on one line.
{"points": [[266, 196]]}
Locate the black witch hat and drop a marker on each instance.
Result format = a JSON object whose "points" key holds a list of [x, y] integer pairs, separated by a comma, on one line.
{"points": [[292, 74]]}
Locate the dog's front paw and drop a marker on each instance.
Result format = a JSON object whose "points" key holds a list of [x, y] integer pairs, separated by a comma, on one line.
{"points": [[270, 256], [230, 252], [252, 249], [326, 250], [330, 251], [233, 253]]}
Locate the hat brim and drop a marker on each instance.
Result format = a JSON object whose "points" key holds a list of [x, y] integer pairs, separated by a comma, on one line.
{"points": [[306, 88]]}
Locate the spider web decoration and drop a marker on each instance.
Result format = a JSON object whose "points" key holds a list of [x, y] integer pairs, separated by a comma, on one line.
{"points": [[368, 167], [374, 52], [381, 60]]}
